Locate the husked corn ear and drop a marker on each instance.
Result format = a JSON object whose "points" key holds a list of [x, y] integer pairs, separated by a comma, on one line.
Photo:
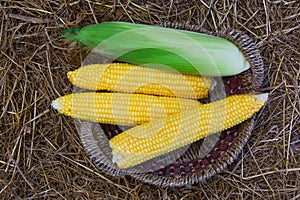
{"points": [[127, 78], [159, 137], [120, 108]]}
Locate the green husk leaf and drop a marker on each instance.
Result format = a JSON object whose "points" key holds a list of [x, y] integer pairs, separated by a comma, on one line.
{"points": [[164, 48]]}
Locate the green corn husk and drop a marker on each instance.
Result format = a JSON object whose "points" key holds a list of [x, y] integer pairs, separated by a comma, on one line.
{"points": [[163, 48]]}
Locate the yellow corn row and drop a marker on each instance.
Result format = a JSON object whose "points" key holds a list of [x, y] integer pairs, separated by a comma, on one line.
{"points": [[127, 78], [159, 137], [120, 108]]}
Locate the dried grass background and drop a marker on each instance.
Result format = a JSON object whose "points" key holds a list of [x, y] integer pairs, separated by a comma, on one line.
{"points": [[41, 156]]}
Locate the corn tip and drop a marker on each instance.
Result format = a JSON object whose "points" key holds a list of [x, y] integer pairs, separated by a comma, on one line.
{"points": [[70, 76], [56, 105], [117, 158], [213, 84], [262, 97]]}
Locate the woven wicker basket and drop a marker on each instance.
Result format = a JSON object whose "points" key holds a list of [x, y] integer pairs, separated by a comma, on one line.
{"points": [[191, 166]]}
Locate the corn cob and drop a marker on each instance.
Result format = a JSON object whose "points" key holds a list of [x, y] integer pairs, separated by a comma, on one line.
{"points": [[123, 77], [120, 108], [159, 137], [179, 50]]}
